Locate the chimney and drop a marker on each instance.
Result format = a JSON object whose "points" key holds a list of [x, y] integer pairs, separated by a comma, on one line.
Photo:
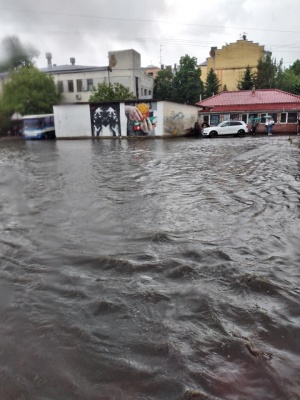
{"points": [[72, 60], [49, 59], [212, 52]]}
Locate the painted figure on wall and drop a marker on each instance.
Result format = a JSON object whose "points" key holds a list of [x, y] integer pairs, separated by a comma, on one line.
{"points": [[141, 119], [105, 120]]}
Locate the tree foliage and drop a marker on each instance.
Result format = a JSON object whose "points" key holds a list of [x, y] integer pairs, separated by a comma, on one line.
{"points": [[163, 85], [247, 80], [29, 91], [289, 79], [271, 74], [212, 84], [15, 55], [187, 83], [111, 92], [295, 68], [266, 74]]}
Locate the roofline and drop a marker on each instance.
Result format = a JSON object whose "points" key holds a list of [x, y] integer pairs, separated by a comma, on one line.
{"points": [[67, 69], [37, 116], [200, 103]]}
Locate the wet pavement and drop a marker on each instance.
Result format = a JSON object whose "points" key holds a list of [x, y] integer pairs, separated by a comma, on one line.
{"points": [[150, 269]]}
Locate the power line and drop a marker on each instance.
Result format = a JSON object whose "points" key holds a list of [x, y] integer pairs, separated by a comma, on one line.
{"points": [[141, 20]]}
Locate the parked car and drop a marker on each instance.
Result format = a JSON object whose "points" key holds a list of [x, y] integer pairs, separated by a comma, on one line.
{"points": [[237, 128]]}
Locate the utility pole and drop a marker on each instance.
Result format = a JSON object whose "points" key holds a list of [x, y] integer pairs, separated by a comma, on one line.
{"points": [[160, 57]]}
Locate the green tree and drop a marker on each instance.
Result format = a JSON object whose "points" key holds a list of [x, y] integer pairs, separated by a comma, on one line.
{"points": [[266, 74], [295, 67], [212, 84], [225, 88], [247, 80], [15, 54], [163, 85], [29, 91], [187, 83], [111, 92], [288, 81]]}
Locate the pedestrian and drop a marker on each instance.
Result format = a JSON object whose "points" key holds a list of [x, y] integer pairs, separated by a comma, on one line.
{"points": [[269, 125], [298, 127], [197, 130], [254, 123], [205, 125]]}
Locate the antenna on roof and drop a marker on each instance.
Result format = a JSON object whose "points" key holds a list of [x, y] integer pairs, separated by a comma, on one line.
{"points": [[160, 58]]}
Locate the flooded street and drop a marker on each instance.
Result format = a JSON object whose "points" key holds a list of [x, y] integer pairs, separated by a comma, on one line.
{"points": [[150, 269]]}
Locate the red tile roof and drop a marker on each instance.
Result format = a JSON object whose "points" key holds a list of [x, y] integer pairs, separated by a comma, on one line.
{"points": [[260, 99]]}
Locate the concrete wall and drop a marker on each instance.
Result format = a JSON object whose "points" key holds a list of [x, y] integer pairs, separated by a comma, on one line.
{"points": [[178, 118], [112, 120], [72, 121]]}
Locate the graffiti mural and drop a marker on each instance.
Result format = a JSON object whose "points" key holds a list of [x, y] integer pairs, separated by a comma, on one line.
{"points": [[179, 119], [105, 119], [141, 118]]}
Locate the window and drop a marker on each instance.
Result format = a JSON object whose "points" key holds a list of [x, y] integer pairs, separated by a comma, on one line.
{"points": [[263, 118], [274, 116], [292, 118], [235, 123], [283, 117], [70, 86], [251, 117], [214, 119], [245, 118], [149, 92], [234, 117], [145, 92], [79, 85], [90, 85], [60, 86], [206, 119], [49, 121]]}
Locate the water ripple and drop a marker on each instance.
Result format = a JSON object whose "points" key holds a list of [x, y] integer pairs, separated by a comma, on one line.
{"points": [[150, 269]]}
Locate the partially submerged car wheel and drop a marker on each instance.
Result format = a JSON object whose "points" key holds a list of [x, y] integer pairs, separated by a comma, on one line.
{"points": [[213, 134]]}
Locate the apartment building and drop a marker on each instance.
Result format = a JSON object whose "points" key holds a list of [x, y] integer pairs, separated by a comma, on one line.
{"points": [[76, 82]]}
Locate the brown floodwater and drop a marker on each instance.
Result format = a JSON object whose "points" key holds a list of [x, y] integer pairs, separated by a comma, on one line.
{"points": [[150, 269]]}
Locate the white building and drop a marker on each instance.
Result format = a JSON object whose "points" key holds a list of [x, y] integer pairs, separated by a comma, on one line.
{"points": [[76, 82]]}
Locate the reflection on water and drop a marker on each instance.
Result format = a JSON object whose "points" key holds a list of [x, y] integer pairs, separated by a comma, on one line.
{"points": [[150, 269]]}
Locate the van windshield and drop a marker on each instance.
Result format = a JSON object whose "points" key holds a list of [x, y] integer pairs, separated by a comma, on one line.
{"points": [[33, 123]]}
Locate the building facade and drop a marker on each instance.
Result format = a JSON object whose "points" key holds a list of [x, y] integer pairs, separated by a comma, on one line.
{"points": [[76, 82], [151, 70], [244, 105], [231, 61]]}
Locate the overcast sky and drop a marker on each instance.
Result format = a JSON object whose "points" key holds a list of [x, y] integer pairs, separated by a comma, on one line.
{"points": [[160, 30]]}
